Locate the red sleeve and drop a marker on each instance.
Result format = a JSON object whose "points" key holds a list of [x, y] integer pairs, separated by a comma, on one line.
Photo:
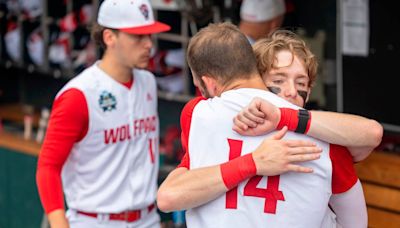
{"points": [[343, 173], [186, 118], [68, 124]]}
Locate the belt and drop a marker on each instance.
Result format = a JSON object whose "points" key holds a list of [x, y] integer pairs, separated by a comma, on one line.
{"points": [[129, 216]]}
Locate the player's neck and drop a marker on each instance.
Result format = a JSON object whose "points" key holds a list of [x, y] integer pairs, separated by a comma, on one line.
{"points": [[254, 82], [115, 70]]}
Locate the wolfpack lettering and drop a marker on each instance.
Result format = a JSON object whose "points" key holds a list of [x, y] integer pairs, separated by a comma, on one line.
{"points": [[146, 125], [122, 133], [119, 134]]}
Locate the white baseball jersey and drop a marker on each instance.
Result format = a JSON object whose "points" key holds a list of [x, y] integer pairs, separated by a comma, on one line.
{"points": [[114, 167], [288, 200]]}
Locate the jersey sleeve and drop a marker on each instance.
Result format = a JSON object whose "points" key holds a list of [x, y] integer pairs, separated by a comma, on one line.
{"points": [[68, 124], [186, 118], [343, 173], [352, 214]]}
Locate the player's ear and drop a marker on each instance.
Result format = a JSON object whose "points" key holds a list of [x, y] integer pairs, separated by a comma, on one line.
{"points": [[209, 82], [109, 37]]}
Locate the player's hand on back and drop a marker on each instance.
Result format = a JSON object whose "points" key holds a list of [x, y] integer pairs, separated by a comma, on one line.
{"points": [[258, 118], [275, 156]]}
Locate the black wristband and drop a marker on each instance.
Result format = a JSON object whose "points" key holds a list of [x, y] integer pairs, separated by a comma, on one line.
{"points": [[304, 117]]}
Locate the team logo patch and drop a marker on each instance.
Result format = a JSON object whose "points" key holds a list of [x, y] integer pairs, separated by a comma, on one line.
{"points": [[107, 101], [145, 11]]}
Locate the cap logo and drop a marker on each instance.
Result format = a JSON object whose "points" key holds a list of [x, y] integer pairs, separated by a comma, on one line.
{"points": [[145, 11]]}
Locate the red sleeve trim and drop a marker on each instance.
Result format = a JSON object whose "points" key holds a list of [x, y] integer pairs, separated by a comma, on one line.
{"points": [[186, 118], [68, 124], [343, 173]]}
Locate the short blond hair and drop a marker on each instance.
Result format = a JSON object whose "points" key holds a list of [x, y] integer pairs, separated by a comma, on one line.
{"points": [[266, 50]]}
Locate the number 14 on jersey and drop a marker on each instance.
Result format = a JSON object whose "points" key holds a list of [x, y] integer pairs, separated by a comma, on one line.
{"points": [[271, 193]]}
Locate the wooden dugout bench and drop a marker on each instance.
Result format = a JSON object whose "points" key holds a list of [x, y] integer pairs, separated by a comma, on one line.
{"points": [[380, 177]]}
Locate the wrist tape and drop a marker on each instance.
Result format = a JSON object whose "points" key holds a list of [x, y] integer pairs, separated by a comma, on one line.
{"points": [[296, 120], [237, 170]]}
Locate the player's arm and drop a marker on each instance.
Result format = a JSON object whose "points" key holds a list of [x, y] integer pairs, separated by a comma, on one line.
{"points": [[57, 219], [350, 207], [187, 188], [347, 198], [184, 188], [67, 125], [359, 134]]}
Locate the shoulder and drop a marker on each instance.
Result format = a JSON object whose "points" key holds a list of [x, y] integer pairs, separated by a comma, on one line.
{"points": [[187, 113], [144, 75], [81, 82], [186, 119], [71, 97], [187, 110]]}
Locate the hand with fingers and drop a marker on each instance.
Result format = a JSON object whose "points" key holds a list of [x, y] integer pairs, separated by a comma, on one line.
{"points": [[275, 156], [258, 118]]}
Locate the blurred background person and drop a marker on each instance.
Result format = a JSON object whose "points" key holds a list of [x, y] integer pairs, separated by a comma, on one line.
{"points": [[258, 18]]}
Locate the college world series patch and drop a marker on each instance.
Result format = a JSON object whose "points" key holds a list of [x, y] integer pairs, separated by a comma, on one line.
{"points": [[107, 101]]}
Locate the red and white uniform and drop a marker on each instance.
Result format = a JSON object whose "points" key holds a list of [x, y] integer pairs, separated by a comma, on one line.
{"points": [[288, 200], [107, 154]]}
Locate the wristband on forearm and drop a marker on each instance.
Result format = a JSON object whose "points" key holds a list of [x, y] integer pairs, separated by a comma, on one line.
{"points": [[296, 120], [237, 170]]}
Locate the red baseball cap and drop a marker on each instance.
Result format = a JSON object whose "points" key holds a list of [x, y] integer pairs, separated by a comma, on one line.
{"points": [[130, 16]]}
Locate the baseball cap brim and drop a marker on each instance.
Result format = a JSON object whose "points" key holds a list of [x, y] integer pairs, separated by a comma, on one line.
{"points": [[156, 27]]}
